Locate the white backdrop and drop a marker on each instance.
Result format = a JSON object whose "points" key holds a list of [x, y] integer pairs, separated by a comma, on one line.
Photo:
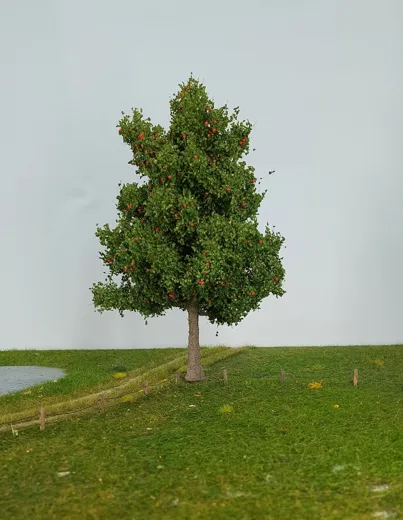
{"points": [[323, 83]]}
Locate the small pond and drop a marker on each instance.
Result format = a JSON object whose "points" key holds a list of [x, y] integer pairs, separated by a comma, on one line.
{"points": [[13, 379]]}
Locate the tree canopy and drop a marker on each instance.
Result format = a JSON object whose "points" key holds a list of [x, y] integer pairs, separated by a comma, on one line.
{"points": [[188, 228]]}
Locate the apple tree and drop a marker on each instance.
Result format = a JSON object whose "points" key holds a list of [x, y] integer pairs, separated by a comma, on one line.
{"points": [[187, 234]]}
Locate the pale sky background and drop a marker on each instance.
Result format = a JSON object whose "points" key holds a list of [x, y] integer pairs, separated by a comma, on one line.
{"points": [[321, 80]]}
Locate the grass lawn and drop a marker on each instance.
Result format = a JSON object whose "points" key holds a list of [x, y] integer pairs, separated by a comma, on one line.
{"points": [[273, 452], [86, 370]]}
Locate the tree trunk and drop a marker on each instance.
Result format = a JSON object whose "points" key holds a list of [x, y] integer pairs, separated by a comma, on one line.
{"points": [[195, 371]]}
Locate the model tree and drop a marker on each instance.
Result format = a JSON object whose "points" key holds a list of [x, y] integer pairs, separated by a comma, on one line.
{"points": [[187, 236]]}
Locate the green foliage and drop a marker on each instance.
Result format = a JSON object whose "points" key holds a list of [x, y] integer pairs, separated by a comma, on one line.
{"points": [[191, 226]]}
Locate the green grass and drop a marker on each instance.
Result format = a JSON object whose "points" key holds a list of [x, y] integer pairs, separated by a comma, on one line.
{"points": [[58, 401], [254, 449], [86, 370]]}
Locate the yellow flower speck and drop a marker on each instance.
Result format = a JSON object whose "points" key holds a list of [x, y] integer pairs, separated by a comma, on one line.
{"points": [[317, 384], [336, 406], [119, 375], [379, 362], [226, 409]]}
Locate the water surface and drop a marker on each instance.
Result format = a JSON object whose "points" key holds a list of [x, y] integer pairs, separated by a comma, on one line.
{"points": [[13, 379]]}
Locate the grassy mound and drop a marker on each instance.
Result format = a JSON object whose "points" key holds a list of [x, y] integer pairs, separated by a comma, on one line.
{"points": [[124, 387], [252, 449]]}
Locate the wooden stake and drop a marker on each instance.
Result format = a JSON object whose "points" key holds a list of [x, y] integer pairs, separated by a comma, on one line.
{"points": [[225, 376], [355, 378], [178, 377], [101, 403], [42, 418], [146, 388], [282, 376]]}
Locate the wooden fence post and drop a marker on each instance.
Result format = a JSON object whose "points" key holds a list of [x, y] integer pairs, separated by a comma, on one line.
{"points": [[178, 377], [101, 403], [225, 376], [282, 376], [42, 418], [355, 378], [146, 388]]}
